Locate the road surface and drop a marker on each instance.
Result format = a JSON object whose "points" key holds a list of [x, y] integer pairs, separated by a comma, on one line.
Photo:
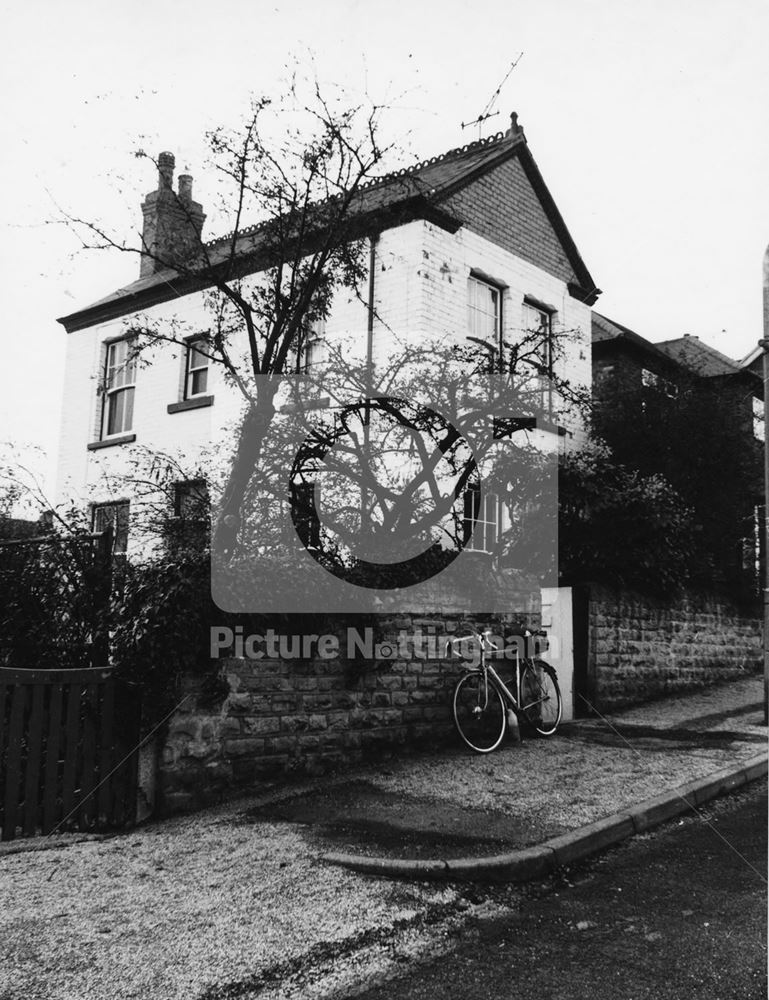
{"points": [[677, 914]]}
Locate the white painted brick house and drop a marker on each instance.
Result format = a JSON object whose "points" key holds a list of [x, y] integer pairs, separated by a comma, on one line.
{"points": [[471, 236]]}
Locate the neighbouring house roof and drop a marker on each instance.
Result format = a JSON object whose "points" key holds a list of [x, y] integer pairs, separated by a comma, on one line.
{"points": [[699, 358], [753, 362], [751, 357], [687, 352], [416, 192], [605, 331]]}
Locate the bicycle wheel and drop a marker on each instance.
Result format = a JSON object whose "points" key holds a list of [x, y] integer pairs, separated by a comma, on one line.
{"points": [[479, 712], [541, 704]]}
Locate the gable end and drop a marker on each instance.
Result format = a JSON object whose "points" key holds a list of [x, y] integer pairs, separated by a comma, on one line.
{"points": [[511, 206]]}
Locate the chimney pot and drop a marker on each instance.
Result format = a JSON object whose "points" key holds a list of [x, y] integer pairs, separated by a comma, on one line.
{"points": [[185, 187], [166, 163]]}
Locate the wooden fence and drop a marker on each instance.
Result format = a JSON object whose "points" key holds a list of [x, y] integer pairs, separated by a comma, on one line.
{"points": [[68, 751]]}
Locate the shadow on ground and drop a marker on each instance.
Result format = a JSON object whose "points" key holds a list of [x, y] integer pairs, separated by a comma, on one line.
{"points": [[365, 819]]}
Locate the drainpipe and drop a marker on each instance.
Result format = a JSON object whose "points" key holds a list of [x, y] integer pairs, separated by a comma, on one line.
{"points": [[373, 240], [765, 345]]}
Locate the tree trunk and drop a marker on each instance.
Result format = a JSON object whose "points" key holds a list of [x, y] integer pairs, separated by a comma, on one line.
{"points": [[253, 432]]}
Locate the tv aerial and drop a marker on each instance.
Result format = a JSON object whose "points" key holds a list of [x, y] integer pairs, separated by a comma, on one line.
{"points": [[487, 112]]}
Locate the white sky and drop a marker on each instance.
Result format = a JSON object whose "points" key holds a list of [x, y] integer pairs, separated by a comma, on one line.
{"points": [[648, 121]]}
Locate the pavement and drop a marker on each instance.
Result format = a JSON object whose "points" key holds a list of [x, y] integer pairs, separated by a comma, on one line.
{"points": [[326, 881], [534, 806]]}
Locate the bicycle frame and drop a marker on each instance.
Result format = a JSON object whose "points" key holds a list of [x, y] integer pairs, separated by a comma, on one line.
{"points": [[486, 669], [476, 706]]}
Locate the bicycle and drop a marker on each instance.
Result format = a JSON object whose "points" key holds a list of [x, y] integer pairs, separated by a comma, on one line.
{"points": [[482, 700]]}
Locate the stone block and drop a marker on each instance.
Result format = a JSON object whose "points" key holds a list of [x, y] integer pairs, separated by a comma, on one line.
{"points": [[294, 723], [260, 726], [240, 702], [243, 746]]}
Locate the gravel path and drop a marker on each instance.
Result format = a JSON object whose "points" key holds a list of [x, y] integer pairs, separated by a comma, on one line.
{"points": [[176, 910]]}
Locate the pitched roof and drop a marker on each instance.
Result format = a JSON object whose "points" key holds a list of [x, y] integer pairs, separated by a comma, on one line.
{"points": [[605, 330], [699, 358], [752, 356], [410, 193]]}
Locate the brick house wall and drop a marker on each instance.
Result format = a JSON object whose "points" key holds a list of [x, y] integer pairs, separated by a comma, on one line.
{"points": [[421, 291]]}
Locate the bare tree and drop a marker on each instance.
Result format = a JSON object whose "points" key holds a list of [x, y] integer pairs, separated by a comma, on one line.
{"points": [[292, 179], [306, 183]]}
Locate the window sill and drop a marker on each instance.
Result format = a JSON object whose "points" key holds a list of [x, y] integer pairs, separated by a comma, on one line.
{"points": [[196, 403], [109, 442]]}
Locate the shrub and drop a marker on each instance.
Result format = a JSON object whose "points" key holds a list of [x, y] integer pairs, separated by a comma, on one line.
{"points": [[619, 527]]}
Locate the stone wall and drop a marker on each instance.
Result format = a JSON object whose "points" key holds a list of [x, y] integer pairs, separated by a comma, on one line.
{"points": [[386, 689], [640, 649]]}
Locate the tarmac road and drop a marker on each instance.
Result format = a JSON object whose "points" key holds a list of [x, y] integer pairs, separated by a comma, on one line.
{"points": [[676, 914]]}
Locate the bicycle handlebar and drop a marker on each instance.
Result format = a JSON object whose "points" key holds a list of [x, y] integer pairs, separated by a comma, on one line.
{"points": [[484, 638]]}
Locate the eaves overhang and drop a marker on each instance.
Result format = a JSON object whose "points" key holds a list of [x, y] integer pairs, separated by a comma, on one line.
{"points": [[413, 193], [165, 286]]}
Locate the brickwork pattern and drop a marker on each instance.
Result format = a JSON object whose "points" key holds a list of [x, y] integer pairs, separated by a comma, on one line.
{"points": [[503, 207], [640, 649]]}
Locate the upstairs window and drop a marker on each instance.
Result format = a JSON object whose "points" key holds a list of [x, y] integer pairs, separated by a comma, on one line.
{"points": [[119, 387], [313, 352], [759, 423], [481, 520], [484, 312], [538, 334], [538, 325], [196, 369]]}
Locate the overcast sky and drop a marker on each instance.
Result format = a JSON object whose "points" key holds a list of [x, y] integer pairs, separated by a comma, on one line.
{"points": [[648, 121]]}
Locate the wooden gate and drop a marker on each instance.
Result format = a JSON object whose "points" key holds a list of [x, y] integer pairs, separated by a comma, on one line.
{"points": [[68, 751]]}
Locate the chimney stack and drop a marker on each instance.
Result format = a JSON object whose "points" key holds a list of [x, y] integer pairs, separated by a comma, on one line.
{"points": [[173, 223], [185, 187]]}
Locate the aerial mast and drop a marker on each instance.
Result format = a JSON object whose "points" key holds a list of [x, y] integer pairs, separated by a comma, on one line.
{"points": [[487, 112]]}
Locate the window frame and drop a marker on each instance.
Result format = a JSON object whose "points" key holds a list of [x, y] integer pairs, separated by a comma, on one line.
{"points": [[475, 496], [547, 315], [120, 509], [185, 488], [111, 393], [190, 371], [314, 337], [476, 280]]}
